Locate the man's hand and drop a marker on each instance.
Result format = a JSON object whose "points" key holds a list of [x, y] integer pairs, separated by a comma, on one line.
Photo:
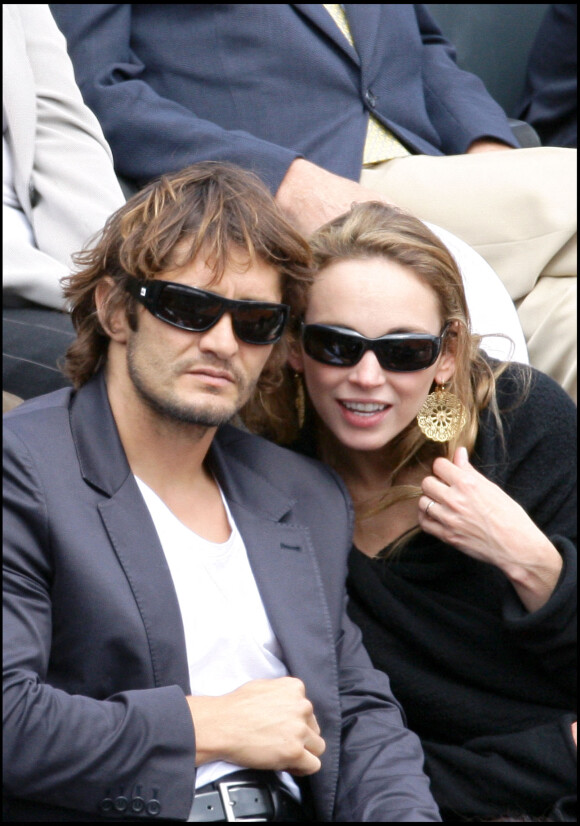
{"points": [[310, 196], [487, 145], [264, 724]]}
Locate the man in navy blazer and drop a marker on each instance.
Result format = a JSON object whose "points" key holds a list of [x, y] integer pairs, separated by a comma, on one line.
{"points": [[299, 92], [175, 638]]}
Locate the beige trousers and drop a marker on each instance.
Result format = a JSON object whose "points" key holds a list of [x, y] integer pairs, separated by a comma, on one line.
{"points": [[517, 209]]}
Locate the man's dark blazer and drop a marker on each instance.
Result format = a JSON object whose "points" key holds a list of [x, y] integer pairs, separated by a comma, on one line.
{"points": [[95, 668], [260, 84]]}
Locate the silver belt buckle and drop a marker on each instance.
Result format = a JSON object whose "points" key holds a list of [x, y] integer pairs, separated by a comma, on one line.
{"points": [[228, 803]]}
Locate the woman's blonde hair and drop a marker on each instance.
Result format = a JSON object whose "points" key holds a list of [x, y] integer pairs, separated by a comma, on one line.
{"points": [[371, 230], [203, 209]]}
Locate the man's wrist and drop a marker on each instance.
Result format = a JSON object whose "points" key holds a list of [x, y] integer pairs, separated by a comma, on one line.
{"points": [[204, 717]]}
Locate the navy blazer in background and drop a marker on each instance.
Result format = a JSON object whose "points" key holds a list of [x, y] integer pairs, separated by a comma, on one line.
{"points": [[95, 665], [261, 84], [549, 101]]}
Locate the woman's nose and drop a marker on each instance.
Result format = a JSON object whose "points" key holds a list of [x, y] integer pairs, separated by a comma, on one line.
{"points": [[368, 372]]}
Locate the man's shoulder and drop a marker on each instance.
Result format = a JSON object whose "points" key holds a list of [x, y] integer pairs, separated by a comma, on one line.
{"points": [[33, 412], [39, 423]]}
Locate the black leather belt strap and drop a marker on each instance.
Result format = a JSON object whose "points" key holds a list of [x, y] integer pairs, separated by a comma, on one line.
{"points": [[245, 796]]}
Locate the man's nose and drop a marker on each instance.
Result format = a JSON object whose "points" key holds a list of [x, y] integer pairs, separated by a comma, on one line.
{"points": [[220, 339]]}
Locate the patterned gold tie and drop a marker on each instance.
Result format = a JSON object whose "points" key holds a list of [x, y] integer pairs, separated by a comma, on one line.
{"points": [[380, 143]]}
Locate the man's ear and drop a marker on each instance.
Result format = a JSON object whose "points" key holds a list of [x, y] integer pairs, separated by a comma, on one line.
{"points": [[113, 320], [295, 356]]}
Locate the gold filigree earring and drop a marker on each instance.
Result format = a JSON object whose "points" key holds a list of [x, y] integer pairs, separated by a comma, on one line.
{"points": [[442, 415], [299, 399]]}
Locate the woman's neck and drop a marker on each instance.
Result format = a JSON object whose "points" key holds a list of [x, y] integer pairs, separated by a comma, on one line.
{"points": [[368, 475], [370, 470]]}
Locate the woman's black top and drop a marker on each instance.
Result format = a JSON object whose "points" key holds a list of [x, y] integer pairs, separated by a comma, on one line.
{"points": [[489, 687]]}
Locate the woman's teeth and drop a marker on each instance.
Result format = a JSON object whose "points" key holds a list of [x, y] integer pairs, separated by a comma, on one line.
{"points": [[364, 407]]}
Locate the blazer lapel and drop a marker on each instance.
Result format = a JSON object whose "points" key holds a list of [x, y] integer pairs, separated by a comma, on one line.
{"points": [[133, 536], [131, 531], [289, 581], [364, 22], [321, 18]]}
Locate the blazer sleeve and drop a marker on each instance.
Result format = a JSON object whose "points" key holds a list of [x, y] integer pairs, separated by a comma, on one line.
{"points": [[64, 174], [458, 104], [150, 134], [381, 777], [63, 749]]}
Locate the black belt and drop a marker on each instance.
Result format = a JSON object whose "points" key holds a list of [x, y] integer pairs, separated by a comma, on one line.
{"points": [[246, 795]]}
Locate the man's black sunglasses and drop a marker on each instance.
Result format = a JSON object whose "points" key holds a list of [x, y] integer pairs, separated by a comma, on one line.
{"points": [[398, 352], [254, 322]]}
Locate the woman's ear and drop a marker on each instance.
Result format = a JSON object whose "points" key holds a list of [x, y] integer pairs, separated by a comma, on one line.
{"points": [[446, 367], [295, 357], [113, 321]]}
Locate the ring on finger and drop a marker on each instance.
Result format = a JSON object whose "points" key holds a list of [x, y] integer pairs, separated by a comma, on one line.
{"points": [[431, 502]]}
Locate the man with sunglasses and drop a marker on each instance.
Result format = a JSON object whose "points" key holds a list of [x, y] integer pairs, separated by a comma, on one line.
{"points": [[176, 642]]}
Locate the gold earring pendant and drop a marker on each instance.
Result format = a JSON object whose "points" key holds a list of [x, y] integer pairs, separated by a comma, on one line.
{"points": [[299, 399], [442, 415]]}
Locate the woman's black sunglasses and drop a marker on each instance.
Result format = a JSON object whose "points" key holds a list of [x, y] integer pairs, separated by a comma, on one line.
{"points": [[399, 352], [254, 322]]}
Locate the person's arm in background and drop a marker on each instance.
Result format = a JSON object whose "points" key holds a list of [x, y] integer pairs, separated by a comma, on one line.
{"points": [[549, 101], [150, 134], [524, 768], [64, 177], [465, 115]]}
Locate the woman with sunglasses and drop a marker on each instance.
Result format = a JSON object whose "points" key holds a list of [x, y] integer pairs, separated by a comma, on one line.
{"points": [[462, 474]]}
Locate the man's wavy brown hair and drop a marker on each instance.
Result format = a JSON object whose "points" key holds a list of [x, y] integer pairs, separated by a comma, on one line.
{"points": [[207, 208]]}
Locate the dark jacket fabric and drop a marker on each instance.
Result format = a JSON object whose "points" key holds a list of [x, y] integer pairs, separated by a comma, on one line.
{"points": [[261, 84], [489, 687], [549, 101], [95, 665]]}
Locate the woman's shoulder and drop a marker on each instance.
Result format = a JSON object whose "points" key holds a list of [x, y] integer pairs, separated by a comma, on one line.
{"points": [[533, 439], [526, 395]]}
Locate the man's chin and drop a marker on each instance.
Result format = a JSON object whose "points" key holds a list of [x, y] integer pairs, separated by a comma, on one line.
{"points": [[208, 414], [199, 415]]}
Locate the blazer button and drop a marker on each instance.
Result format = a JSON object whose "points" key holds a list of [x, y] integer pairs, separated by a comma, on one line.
{"points": [[370, 98], [153, 807], [106, 804], [121, 803], [137, 805]]}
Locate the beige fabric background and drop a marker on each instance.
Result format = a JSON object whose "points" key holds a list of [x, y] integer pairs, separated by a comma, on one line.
{"points": [[517, 208]]}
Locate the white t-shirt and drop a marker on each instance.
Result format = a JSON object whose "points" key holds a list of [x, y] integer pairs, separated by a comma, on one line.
{"points": [[228, 636]]}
